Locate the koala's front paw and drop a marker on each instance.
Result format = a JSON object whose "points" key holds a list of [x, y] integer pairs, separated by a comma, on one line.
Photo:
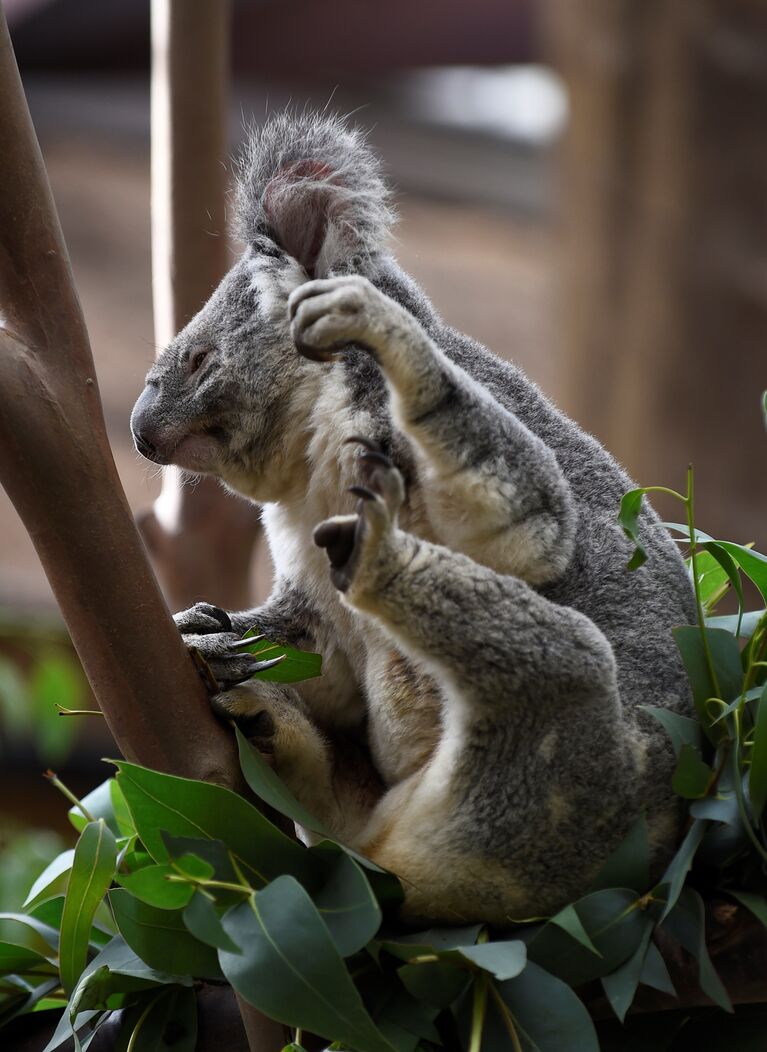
{"points": [[358, 544], [329, 314], [208, 630]]}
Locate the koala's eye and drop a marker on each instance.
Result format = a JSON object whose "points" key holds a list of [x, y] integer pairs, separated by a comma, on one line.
{"points": [[197, 358]]}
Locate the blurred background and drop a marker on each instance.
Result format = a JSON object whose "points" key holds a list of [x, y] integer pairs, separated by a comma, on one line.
{"points": [[581, 186]]}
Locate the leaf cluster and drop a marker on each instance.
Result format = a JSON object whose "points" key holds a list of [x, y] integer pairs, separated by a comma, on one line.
{"points": [[174, 882]]}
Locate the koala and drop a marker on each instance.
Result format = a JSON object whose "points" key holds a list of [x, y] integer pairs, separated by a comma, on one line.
{"points": [[442, 534]]}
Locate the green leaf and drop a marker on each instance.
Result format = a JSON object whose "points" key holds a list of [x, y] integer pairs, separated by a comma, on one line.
{"points": [[204, 923], [680, 729], [151, 885], [184, 807], [28, 931], [91, 875], [725, 655], [212, 852], [568, 920], [757, 778], [729, 622], [270, 788], [160, 938], [298, 665], [437, 983], [52, 882], [692, 776], [120, 809], [613, 924], [629, 864], [346, 901], [753, 564], [65, 1029], [628, 517], [170, 1025], [655, 972], [22, 960], [545, 1014], [98, 804], [620, 986], [686, 923], [680, 865], [504, 960], [434, 940], [291, 970], [757, 904]]}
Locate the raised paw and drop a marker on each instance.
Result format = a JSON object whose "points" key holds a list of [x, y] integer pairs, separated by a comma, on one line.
{"points": [[351, 541], [331, 314], [207, 634]]}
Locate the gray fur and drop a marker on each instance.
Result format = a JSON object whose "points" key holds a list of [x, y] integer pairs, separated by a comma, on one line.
{"points": [[481, 636]]}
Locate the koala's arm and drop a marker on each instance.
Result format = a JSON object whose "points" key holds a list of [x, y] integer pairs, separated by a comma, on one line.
{"points": [[492, 489]]}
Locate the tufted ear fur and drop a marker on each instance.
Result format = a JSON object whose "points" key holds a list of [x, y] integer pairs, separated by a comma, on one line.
{"points": [[312, 185]]}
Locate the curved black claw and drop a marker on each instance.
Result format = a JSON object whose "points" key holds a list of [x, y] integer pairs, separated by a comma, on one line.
{"points": [[362, 492], [374, 457], [243, 644], [361, 440]]}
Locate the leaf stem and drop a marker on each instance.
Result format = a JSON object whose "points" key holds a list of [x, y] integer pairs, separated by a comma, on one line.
{"points": [[56, 782], [479, 1010], [508, 1019], [203, 882], [689, 508]]}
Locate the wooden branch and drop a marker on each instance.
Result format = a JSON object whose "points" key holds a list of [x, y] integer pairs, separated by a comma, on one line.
{"points": [[57, 467], [201, 539]]}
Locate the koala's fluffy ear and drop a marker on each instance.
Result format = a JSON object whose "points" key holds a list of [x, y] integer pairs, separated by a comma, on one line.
{"points": [[310, 184]]}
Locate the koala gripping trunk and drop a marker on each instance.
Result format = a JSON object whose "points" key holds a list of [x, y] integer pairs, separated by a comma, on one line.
{"points": [[57, 467]]}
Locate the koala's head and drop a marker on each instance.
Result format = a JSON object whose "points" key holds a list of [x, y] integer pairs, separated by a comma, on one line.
{"points": [[230, 395]]}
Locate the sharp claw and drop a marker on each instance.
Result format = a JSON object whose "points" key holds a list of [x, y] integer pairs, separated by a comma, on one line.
{"points": [[376, 457], [262, 666], [363, 492], [222, 617], [360, 440], [243, 644]]}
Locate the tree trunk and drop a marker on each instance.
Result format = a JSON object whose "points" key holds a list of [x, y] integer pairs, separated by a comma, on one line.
{"points": [[665, 165], [57, 467], [201, 538]]}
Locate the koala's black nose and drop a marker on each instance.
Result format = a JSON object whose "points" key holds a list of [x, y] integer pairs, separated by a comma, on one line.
{"points": [[144, 446]]}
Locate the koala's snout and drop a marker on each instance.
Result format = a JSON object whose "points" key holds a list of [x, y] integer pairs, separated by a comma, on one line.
{"points": [[146, 433]]}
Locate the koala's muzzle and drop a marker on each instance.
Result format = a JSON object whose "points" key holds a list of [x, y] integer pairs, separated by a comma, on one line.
{"points": [[147, 436]]}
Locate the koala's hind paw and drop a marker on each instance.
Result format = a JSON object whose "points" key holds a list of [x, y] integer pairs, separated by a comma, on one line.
{"points": [[354, 540], [329, 315], [273, 721]]}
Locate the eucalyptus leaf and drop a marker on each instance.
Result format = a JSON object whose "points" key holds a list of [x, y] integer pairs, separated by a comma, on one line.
{"points": [[52, 882], [297, 665], [152, 886], [680, 865], [620, 986], [757, 904], [628, 517], [346, 901], [655, 972], [504, 959], [92, 871], [98, 804], [160, 938], [681, 729], [692, 776], [169, 1025], [202, 920], [436, 983], [757, 778], [686, 923], [614, 924], [725, 655], [628, 866], [545, 1013], [291, 970], [183, 807]]}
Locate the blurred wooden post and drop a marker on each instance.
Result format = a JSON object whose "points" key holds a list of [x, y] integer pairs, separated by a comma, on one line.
{"points": [[663, 177], [200, 538]]}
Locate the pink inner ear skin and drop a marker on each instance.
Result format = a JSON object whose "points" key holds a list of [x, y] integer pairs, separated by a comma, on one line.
{"points": [[298, 211]]}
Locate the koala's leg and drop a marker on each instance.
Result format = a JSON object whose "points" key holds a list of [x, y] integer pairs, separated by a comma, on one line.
{"points": [[531, 777], [333, 778], [492, 489]]}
